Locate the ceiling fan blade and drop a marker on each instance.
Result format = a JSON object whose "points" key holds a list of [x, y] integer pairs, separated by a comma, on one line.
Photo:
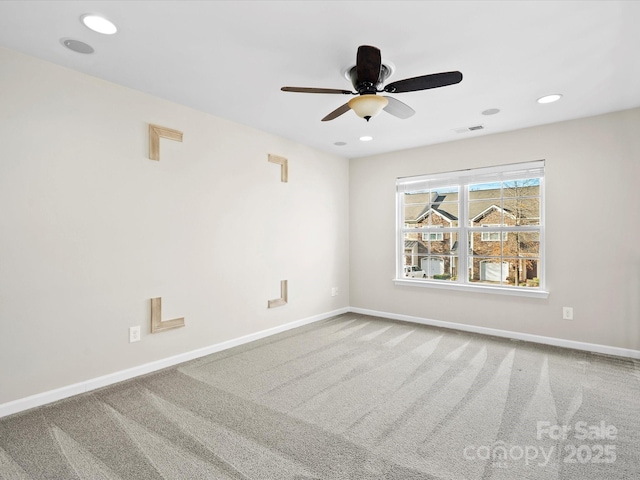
{"points": [[337, 112], [368, 64], [398, 109], [316, 90], [424, 82]]}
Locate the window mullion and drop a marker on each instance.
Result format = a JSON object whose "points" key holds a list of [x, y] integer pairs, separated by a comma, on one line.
{"points": [[542, 263], [463, 236], [400, 236]]}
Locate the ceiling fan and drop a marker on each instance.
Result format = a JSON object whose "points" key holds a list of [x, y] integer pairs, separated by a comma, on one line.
{"points": [[367, 77]]}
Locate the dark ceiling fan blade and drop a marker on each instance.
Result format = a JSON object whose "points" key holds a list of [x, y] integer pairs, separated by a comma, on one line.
{"points": [[424, 82], [337, 112], [398, 109], [316, 90], [368, 64]]}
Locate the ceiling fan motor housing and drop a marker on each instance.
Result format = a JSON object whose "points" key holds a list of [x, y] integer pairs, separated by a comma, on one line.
{"points": [[364, 88]]}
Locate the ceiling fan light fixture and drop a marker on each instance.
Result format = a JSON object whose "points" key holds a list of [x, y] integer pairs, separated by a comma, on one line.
{"points": [[368, 106]]}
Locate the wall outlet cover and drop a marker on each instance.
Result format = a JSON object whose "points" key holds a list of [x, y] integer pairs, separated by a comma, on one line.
{"points": [[134, 334]]}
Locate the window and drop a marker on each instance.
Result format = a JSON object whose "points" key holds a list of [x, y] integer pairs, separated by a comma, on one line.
{"points": [[478, 229], [494, 236], [434, 236]]}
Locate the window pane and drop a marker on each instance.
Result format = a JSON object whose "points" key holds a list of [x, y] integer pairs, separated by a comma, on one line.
{"points": [[415, 270], [446, 214], [414, 248], [523, 244], [505, 244], [442, 267], [527, 187], [482, 191], [420, 216], [485, 212], [432, 267], [531, 274], [446, 245], [417, 197], [510, 272], [522, 211], [429, 242], [488, 244], [523, 272], [450, 193], [428, 258], [516, 202], [432, 207], [492, 271], [415, 214]]}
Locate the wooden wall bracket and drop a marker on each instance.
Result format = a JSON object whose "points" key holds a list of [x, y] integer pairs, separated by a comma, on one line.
{"points": [[284, 296], [157, 325], [155, 133], [284, 166]]}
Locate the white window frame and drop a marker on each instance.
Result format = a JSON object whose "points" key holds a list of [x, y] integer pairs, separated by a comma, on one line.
{"points": [[462, 179]]}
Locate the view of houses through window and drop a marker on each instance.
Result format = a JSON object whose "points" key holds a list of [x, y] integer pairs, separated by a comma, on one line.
{"points": [[479, 226]]}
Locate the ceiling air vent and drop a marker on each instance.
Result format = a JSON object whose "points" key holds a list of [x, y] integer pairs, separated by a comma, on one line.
{"points": [[468, 129]]}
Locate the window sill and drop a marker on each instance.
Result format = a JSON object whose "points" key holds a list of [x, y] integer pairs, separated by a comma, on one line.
{"points": [[513, 291]]}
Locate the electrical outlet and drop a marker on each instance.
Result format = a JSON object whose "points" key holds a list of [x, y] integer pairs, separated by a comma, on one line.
{"points": [[335, 291], [134, 334], [567, 313]]}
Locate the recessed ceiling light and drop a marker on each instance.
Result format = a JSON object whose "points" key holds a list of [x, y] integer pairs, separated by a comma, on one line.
{"points": [[340, 144], [366, 138], [76, 45], [99, 24], [550, 98], [491, 111]]}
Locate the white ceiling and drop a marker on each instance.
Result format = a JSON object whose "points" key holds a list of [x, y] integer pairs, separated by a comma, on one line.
{"points": [[230, 58]]}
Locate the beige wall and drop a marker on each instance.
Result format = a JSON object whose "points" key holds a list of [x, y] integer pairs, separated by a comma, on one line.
{"points": [[592, 231], [91, 229]]}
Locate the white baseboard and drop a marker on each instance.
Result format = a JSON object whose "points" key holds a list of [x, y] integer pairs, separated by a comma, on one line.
{"points": [[44, 398], [558, 342]]}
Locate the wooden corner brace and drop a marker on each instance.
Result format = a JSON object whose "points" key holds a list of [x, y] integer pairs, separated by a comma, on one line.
{"points": [[279, 302], [284, 166], [157, 325], [155, 133]]}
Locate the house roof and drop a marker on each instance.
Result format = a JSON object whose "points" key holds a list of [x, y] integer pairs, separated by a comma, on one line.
{"points": [[489, 209], [438, 211], [418, 205]]}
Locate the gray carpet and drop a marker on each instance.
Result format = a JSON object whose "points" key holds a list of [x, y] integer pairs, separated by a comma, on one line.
{"points": [[352, 397]]}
